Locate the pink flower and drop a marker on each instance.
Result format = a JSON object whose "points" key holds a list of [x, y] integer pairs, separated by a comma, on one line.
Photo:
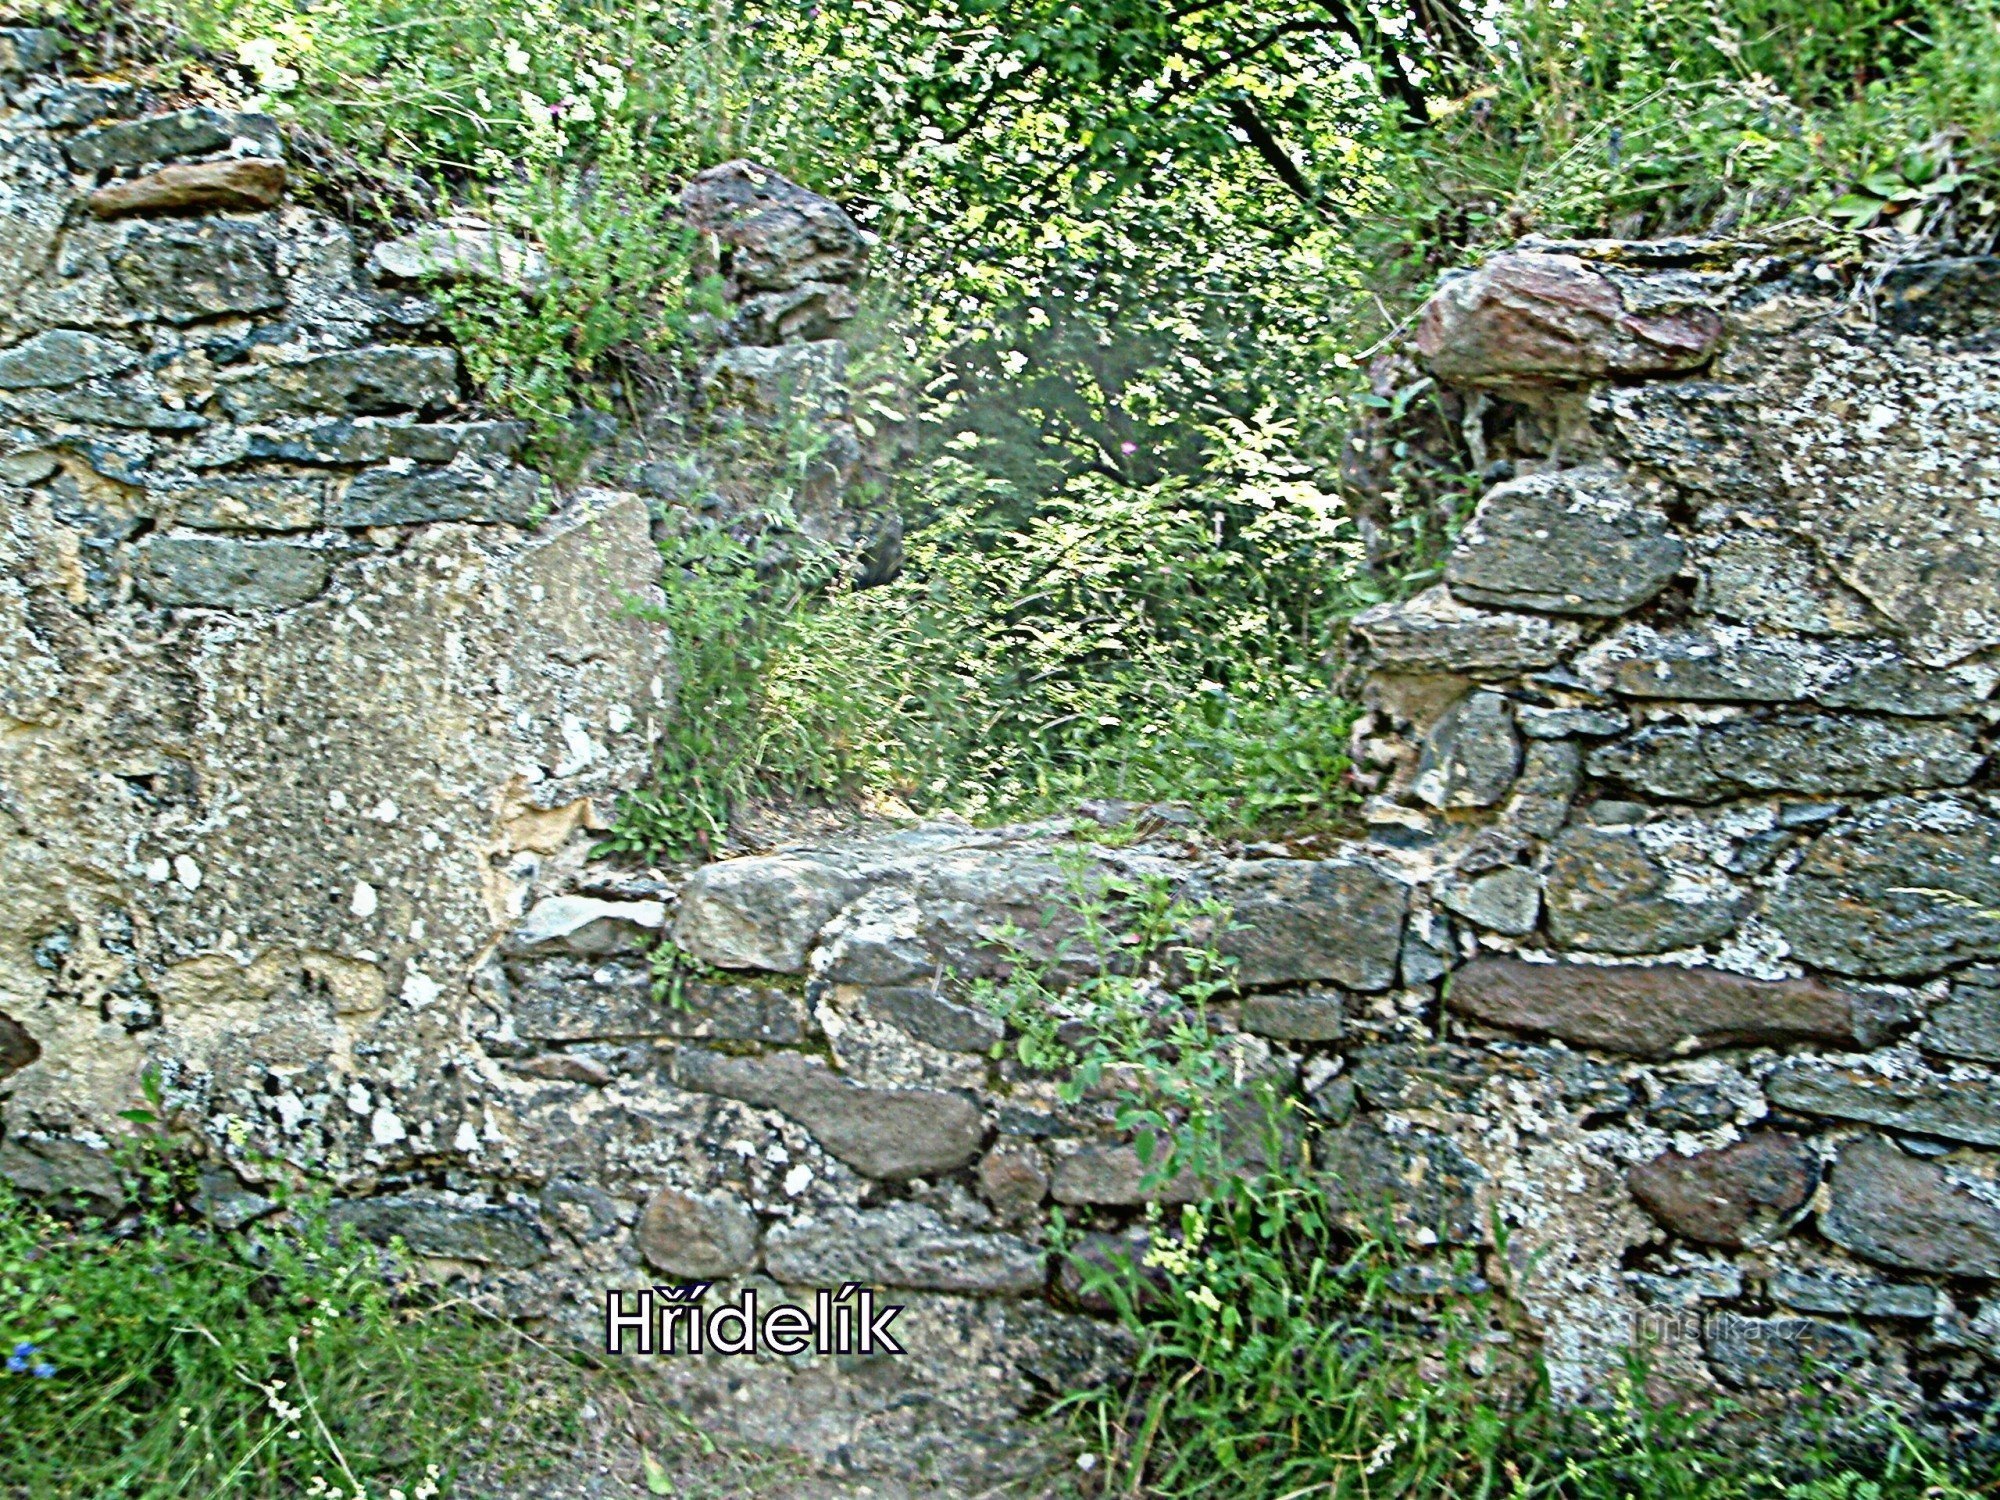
{"points": [[1128, 448]]}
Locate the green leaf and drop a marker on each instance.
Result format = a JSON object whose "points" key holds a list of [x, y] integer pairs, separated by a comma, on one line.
{"points": [[658, 1481]]}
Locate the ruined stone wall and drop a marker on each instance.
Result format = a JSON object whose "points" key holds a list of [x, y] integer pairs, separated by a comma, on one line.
{"points": [[1668, 954]]}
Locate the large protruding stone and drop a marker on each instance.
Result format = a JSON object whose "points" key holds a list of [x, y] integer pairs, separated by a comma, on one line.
{"points": [[1908, 888], [1816, 754], [1526, 317], [777, 236], [1436, 633], [1471, 755], [885, 1133], [1660, 1011], [241, 184], [1580, 542], [760, 913], [1898, 1211], [183, 275]]}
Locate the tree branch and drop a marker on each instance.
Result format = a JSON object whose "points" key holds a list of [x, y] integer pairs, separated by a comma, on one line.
{"points": [[1268, 146]]}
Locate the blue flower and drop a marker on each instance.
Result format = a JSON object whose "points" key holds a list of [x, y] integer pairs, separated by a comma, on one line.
{"points": [[43, 1370], [17, 1362]]}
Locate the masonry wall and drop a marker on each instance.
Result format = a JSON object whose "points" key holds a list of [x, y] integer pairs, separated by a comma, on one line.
{"points": [[1669, 946]]}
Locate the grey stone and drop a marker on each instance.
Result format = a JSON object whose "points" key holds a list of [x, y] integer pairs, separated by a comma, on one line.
{"points": [[1307, 1016], [35, 195], [1116, 1177], [1908, 888], [1967, 1024], [274, 503], [1810, 753], [1434, 632], [811, 310], [227, 1204], [1605, 894], [1730, 664], [569, 999], [778, 236], [904, 1245], [130, 402], [1897, 1211], [1776, 579], [583, 1212], [28, 49], [79, 104], [431, 1224], [1660, 1010], [1533, 317], [1954, 1109], [1416, 1179], [1690, 1286], [184, 275], [1692, 1106], [386, 378], [1560, 723], [702, 1237], [589, 927], [1745, 1193], [226, 573], [1429, 949], [930, 1017], [1551, 772], [367, 441], [1578, 542], [17, 1048], [459, 250], [1851, 1296], [186, 132], [1506, 901], [410, 497], [878, 941], [1784, 1354], [61, 357], [790, 383], [65, 1170], [762, 912], [885, 1133], [1471, 755], [1336, 921], [1447, 1078]]}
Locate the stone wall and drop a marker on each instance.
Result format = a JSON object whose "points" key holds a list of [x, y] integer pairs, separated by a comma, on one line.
{"points": [[1666, 954]]}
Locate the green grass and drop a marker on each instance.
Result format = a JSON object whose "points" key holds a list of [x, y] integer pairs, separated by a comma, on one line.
{"points": [[158, 1358]]}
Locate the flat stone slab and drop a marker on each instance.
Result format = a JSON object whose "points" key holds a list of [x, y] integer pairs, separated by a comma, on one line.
{"points": [[222, 572], [1604, 892], [382, 379], [1434, 632], [1813, 754], [1663, 1010], [1337, 921], [61, 357], [1954, 1109], [245, 184], [1897, 1211], [903, 1245], [432, 1225], [1584, 541]]}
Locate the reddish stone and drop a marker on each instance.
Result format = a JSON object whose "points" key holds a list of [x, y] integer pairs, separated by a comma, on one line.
{"points": [[244, 183], [1665, 1011], [1732, 1196], [1014, 1179], [1529, 317]]}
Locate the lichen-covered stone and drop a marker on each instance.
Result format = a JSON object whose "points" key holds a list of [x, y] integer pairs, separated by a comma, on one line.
{"points": [[1434, 632], [243, 184], [228, 573], [588, 926], [1658, 1011], [1740, 1194], [1904, 889], [1531, 317], [903, 1245], [35, 195], [1852, 1296], [1782, 1354], [462, 249], [1605, 893], [761, 912], [1416, 1179], [431, 1224], [28, 49], [1539, 723], [385, 378], [1295, 1016], [186, 132], [1579, 542], [1014, 1178], [273, 503], [1471, 755], [1336, 921], [789, 383], [184, 275], [1813, 754], [699, 1236], [367, 440], [1116, 1177], [508, 495], [61, 357], [1956, 1109], [885, 1133], [1897, 1211], [1967, 1023], [1776, 579], [1504, 901], [931, 1017], [70, 1172]]}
